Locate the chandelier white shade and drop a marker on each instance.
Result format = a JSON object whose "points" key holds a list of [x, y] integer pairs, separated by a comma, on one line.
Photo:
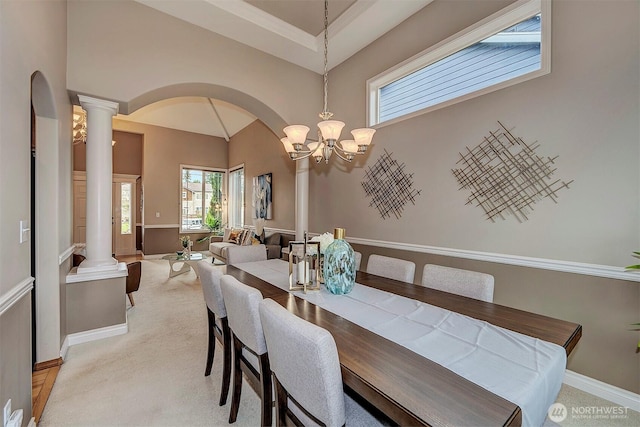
{"points": [[298, 147]]}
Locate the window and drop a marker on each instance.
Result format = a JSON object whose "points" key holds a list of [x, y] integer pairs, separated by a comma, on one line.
{"points": [[126, 212], [236, 197], [202, 199], [509, 47]]}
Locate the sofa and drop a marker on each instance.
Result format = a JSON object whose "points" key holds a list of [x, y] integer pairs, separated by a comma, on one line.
{"points": [[274, 241]]}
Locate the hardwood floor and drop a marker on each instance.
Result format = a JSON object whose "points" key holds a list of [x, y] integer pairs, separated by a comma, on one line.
{"points": [[41, 384], [129, 258], [43, 378]]}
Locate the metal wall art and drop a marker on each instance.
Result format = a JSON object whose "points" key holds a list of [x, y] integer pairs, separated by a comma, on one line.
{"points": [[506, 176], [389, 186]]}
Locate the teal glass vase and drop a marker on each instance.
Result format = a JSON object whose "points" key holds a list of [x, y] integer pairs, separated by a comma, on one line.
{"points": [[339, 265]]}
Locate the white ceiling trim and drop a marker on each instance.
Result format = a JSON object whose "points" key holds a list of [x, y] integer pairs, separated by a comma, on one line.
{"points": [[258, 17], [357, 27]]}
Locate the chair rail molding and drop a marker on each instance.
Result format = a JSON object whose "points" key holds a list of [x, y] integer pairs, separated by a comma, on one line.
{"points": [[15, 294], [66, 254], [597, 270]]}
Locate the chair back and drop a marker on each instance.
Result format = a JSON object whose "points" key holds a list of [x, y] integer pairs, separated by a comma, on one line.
{"points": [[391, 268], [210, 280], [304, 359], [358, 257], [134, 271], [238, 254], [242, 302], [467, 283]]}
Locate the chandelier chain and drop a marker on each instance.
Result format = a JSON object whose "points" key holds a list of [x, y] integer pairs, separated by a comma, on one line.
{"points": [[326, 49]]}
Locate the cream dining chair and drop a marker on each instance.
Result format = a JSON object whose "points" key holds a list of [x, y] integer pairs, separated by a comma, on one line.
{"points": [[248, 253], [391, 268], [218, 325], [306, 373], [467, 283], [249, 348]]}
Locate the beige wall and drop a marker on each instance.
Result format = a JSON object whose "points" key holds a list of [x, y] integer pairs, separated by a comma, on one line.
{"points": [[146, 44], [33, 36], [127, 154], [586, 112], [95, 304], [261, 152], [164, 150]]}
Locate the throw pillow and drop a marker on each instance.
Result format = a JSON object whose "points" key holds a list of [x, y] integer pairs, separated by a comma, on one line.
{"points": [[234, 236], [246, 241], [256, 239]]}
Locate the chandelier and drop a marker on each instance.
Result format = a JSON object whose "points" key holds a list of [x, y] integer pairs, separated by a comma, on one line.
{"points": [[79, 126], [295, 143]]}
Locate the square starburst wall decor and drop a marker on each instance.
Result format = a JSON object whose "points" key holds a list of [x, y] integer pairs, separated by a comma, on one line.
{"points": [[506, 176], [389, 186]]}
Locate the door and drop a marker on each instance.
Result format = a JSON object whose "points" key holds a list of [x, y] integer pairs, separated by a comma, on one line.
{"points": [[79, 211], [124, 217]]}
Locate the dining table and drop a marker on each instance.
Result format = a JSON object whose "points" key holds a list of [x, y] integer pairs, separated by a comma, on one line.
{"points": [[425, 357]]}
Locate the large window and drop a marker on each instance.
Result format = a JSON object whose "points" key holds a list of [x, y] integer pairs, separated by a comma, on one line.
{"points": [[507, 48], [236, 197], [201, 199]]}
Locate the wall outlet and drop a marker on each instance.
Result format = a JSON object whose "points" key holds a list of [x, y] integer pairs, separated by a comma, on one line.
{"points": [[157, 214], [16, 419], [6, 413]]}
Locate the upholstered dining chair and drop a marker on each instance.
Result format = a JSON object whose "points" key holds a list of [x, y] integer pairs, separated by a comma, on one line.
{"points": [[467, 283], [134, 272], [306, 372], [391, 268], [218, 325], [358, 257], [238, 254], [249, 348]]}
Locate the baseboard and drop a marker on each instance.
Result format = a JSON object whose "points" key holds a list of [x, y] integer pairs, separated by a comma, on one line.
{"points": [[603, 390], [64, 348], [48, 364], [97, 334]]}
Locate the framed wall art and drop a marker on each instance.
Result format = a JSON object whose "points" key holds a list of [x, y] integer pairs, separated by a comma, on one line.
{"points": [[263, 196]]}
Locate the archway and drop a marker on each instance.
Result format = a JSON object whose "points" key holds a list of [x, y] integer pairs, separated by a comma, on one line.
{"points": [[44, 222], [256, 107]]}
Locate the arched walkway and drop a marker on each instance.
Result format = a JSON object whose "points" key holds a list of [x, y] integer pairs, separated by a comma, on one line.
{"points": [[263, 112], [45, 214]]}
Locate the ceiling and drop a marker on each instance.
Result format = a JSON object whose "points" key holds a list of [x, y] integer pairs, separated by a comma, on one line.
{"points": [[288, 29]]}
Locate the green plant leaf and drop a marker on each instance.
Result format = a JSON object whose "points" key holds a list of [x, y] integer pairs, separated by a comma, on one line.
{"points": [[633, 267]]}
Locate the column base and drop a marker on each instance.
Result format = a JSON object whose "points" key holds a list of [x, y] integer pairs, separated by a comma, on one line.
{"points": [[93, 266]]}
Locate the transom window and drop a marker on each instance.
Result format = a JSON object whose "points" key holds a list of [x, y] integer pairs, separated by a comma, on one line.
{"points": [[506, 48], [201, 190]]}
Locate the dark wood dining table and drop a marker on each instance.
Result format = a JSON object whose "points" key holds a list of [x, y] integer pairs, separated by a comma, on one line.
{"points": [[410, 389]]}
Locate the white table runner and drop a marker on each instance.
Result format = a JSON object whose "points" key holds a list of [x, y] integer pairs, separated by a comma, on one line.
{"points": [[524, 370]]}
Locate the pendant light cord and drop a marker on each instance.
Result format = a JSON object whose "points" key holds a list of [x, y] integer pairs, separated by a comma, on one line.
{"points": [[326, 49]]}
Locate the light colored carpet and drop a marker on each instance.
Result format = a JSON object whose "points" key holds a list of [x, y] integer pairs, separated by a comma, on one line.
{"points": [[585, 410], [154, 375]]}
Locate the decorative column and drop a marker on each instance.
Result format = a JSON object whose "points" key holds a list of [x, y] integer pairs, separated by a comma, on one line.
{"points": [[302, 197], [99, 179]]}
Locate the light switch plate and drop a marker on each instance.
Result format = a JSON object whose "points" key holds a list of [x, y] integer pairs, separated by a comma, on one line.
{"points": [[24, 231]]}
